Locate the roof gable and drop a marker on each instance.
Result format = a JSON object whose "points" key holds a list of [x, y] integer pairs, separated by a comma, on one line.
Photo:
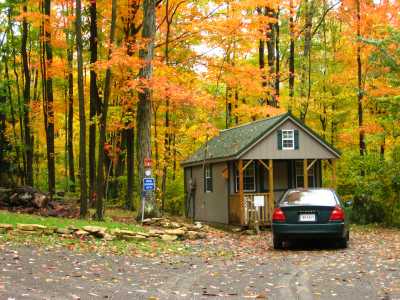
{"points": [[311, 146], [231, 142], [234, 142]]}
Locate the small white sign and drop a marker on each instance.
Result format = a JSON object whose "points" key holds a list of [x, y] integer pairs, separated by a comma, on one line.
{"points": [[258, 201]]}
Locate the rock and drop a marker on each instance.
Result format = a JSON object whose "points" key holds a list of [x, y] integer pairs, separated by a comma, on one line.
{"points": [[122, 232], [27, 232], [167, 237], [178, 232], [31, 227], [191, 235], [81, 233], [152, 221], [72, 228], [237, 229], [50, 230], [108, 237], [201, 235], [7, 227], [250, 232], [133, 238], [145, 234], [155, 232], [40, 200], [63, 231], [94, 229], [176, 225], [198, 225]]}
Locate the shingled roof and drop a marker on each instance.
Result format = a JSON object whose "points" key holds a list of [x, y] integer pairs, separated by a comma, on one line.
{"points": [[233, 141]]}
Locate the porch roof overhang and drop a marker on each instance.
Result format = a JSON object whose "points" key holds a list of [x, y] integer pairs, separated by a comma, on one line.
{"points": [[232, 144]]}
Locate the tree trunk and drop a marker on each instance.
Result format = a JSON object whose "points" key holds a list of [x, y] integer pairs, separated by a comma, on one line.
{"points": [[131, 30], [82, 118], [27, 96], [305, 84], [49, 103], [360, 92], [103, 122], [291, 56], [271, 36], [94, 99], [277, 59], [70, 125], [143, 121], [130, 163]]}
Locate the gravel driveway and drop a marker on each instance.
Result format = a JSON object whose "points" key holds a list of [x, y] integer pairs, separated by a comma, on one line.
{"points": [[368, 269]]}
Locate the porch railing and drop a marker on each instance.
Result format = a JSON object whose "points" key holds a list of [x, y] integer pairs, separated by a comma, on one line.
{"points": [[258, 206]]}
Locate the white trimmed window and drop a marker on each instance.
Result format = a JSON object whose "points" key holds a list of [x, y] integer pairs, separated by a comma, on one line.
{"points": [[249, 179], [288, 139], [208, 181]]}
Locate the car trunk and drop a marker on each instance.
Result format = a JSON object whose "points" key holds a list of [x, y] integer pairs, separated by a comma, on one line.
{"points": [[293, 214]]}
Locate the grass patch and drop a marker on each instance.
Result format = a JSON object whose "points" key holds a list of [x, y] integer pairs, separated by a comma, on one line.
{"points": [[14, 218], [151, 247]]}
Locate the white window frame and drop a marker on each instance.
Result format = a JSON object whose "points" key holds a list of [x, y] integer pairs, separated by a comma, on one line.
{"points": [[289, 137], [252, 165], [207, 177]]}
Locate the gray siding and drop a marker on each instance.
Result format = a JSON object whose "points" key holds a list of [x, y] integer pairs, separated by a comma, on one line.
{"points": [[267, 148], [211, 206]]}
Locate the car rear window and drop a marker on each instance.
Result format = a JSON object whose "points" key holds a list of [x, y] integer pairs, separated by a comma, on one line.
{"points": [[309, 197]]}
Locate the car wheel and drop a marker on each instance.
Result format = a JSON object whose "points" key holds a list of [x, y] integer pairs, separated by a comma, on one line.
{"points": [[343, 242], [278, 243]]}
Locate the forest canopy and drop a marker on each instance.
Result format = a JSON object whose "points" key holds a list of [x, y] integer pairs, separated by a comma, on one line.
{"points": [[90, 89]]}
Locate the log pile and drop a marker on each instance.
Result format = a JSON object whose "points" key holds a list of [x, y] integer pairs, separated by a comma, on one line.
{"points": [[23, 196], [27, 199]]}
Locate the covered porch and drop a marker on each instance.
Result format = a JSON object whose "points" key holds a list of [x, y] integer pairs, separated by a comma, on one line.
{"points": [[254, 185]]}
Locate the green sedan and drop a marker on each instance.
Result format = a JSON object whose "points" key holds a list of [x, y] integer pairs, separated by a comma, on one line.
{"points": [[309, 214]]}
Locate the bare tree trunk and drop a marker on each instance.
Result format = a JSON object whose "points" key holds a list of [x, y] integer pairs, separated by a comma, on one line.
{"points": [[291, 56], [82, 118], [143, 121], [271, 36], [261, 59], [70, 126], [360, 92], [305, 84], [27, 96], [49, 103], [103, 121], [94, 99], [131, 30], [277, 59]]}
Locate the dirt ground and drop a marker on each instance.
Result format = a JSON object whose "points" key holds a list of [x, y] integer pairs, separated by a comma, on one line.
{"points": [[223, 266]]}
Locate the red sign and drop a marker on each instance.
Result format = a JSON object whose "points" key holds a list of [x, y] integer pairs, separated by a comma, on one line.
{"points": [[147, 162]]}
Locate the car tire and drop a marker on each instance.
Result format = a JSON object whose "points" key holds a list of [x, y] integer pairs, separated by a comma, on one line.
{"points": [[278, 243], [343, 243]]}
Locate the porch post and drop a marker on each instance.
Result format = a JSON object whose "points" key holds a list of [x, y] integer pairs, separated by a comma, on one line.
{"points": [[305, 174], [241, 195], [334, 173], [271, 185]]}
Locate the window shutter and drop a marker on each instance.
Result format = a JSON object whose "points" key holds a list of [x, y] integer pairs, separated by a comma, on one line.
{"points": [[296, 139], [279, 139], [204, 178], [211, 179]]}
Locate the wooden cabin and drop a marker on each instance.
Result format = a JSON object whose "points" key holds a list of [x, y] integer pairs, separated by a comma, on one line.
{"points": [[247, 168]]}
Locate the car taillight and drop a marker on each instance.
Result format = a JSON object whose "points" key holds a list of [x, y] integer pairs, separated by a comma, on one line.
{"points": [[337, 214], [278, 215]]}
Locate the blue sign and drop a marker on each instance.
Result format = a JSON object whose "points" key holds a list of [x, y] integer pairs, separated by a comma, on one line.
{"points": [[149, 184]]}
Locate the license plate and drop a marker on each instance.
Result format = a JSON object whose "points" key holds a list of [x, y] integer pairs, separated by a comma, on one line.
{"points": [[307, 218]]}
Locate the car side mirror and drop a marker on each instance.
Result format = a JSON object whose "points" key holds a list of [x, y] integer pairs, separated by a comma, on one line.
{"points": [[348, 203]]}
